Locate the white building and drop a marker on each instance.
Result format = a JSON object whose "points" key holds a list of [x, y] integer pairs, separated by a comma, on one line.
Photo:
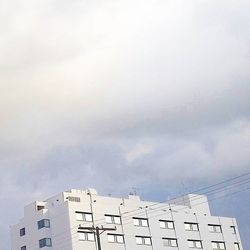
{"points": [[185, 223]]}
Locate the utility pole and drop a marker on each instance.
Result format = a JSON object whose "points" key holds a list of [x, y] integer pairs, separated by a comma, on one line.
{"points": [[98, 231]]}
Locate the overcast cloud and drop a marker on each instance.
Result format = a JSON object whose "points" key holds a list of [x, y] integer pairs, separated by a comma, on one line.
{"points": [[116, 94]]}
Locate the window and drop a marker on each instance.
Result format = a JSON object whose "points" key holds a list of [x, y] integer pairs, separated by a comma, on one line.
{"points": [[81, 216], [140, 222], [189, 226], [214, 228], [237, 246], [218, 245], [45, 242], [143, 240], [195, 244], [166, 224], [39, 207], [23, 248], [233, 228], [169, 242], [116, 238], [22, 231], [113, 219], [43, 223], [86, 236]]}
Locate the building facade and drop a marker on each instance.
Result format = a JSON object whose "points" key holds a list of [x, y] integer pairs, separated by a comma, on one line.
{"points": [[68, 221]]}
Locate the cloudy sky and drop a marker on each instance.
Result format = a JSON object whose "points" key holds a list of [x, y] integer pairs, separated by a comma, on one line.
{"points": [[116, 94]]}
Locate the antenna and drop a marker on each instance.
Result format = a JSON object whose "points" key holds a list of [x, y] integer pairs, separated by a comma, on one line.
{"points": [[134, 190]]}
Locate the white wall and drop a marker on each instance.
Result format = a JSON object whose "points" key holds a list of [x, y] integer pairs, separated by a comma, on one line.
{"points": [[64, 225]]}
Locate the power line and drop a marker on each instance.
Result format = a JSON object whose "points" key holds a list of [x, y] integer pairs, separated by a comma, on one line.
{"points": [[210, 192], [197, 191], [217, 191], [159, 203], [180, 209], [193, 199]]}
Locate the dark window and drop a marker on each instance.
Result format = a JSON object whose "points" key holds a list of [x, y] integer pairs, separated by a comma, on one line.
{"points": [[237, 246], [143, 240], [23, 248], [43, 223], [40, 207], [83, 216], [116, 238], [45, 242], [218, 245], [140, 222], [233, 228], [166, 224], [113, 219], [214, 228], [195, 244], [190, 226], [170, 242], [22, 231], [86, 236]]}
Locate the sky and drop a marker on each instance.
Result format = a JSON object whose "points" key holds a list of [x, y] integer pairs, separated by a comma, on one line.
{"points": [[122, 94]]}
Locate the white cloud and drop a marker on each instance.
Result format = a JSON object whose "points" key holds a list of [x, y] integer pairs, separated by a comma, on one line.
{"points": [[106, 67], [160, 87], [121, 73], [139, 151]]}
